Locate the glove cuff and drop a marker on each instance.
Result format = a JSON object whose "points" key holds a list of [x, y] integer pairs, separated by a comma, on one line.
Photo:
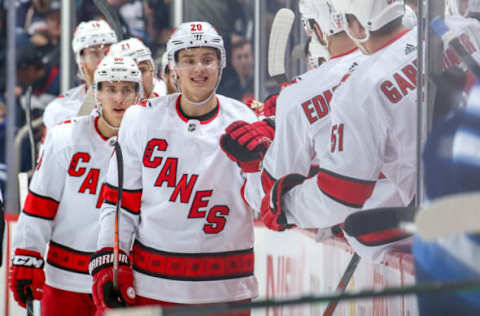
{"points": [[103, 258], [27, 258]]}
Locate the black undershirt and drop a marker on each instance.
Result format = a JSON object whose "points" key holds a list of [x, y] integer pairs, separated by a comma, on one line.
{"points": [[201, 118]]}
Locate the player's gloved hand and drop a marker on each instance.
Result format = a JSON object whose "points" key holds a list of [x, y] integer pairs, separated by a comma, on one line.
{"points": [[246, 143], [272, 211], [101, 269], [26, 275]]}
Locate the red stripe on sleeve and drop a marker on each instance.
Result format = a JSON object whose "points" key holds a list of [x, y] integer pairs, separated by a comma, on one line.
{"points": [[267, 181], [40, 206], [131, 199], [345, 190]]}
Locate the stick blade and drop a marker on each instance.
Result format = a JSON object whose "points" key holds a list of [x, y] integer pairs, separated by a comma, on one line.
{"points": [[281, 27], [450, 215]]}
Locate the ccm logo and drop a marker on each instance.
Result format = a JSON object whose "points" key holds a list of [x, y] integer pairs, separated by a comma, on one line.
{"points": [[27, 261]]}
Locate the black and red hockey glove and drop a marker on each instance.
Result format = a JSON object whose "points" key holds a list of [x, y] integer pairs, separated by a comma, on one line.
{"points": [[26, 276], [272, 210], [246, 143], [101, 269]]}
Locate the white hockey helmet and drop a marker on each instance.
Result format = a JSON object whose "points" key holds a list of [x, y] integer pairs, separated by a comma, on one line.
{"points": [[195, 34], [134, 48], [324, 13], [116, 68], [372, 14], [91, 33]]}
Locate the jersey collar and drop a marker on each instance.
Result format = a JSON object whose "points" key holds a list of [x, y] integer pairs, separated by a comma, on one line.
{"points": [[186, 119]]}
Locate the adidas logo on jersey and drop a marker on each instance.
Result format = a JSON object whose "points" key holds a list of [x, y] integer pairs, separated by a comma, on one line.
{"points": [[410, 48]]}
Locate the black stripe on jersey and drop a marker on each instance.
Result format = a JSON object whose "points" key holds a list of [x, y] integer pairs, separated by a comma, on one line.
{"points": [[126, 209], [86, 253], [179, 278], [66, 269], [196, 254]]}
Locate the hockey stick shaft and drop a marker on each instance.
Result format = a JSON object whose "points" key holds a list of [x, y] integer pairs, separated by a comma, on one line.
{"points": [[111, 15], [28, 116], [116, 236], [29, 302], [441, 29], [342, 285]]}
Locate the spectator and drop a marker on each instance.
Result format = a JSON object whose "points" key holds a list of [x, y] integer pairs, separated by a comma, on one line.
{"points": [[240, 87]]}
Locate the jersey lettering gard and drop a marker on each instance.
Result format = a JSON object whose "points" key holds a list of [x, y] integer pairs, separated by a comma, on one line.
{"points": [[64, 107], [62, 207], [373, 117], [191, 232]]}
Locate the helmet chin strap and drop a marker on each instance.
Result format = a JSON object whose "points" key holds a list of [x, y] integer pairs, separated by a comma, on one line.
{"points": [[108, 125]]}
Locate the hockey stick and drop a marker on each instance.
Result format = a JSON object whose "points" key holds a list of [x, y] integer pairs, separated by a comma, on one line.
{"points": [[111, 15], [441, 29], [342, 285], [28, 116], [88, 103], [281, 27], [449, 215], [116, 239], [29, 302], [377, 220]]}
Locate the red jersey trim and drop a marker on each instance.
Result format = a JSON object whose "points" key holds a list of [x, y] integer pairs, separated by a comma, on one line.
{"points": [[344, 54], [193, 266], [267, 181], [183, 118], [40, 206], [242, 193], [95, 124], [69, 259], [131, 199], [348, 191]]}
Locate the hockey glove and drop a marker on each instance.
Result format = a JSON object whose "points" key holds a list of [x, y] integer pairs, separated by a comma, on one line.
{"points": [[246, 143], [101, 269], [272, 210], [26, 275]]}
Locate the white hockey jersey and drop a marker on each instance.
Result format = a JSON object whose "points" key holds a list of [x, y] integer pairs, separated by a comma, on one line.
{"points": [[192, 234], [64, 107], [62, 207], [372, 132], [468, 32], [300, 122]]}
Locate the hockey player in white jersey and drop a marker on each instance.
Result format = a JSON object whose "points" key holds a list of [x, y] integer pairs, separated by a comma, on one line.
{"points": [[90, 42], [62, 207], [191, 232], [136, 49], [372, 124]]}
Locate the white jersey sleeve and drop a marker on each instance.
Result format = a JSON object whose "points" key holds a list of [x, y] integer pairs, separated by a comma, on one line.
{"points": [[35, 224]]}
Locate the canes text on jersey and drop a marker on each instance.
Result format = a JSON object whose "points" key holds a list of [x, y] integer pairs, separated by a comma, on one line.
{"points": [[183, 188]]}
